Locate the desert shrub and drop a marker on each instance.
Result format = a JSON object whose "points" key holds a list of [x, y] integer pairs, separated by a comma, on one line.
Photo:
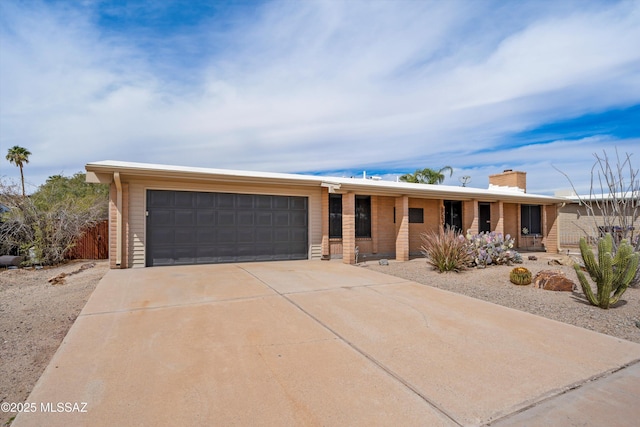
{"points": [[46, 224], [517, 257], [492, 248], [446, 250], [613, 202]]}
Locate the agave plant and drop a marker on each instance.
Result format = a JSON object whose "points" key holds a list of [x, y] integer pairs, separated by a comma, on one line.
{"points": [[446, 250]]}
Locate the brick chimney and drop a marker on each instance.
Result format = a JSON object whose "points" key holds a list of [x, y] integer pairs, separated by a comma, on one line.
{"points": [[509, 178]]}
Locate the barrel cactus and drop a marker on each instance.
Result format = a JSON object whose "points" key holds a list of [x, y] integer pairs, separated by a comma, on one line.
{"points": [[611, 273], [520, 276]]}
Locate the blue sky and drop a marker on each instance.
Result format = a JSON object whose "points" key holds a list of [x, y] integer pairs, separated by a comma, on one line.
{"points": [[323, 87]]}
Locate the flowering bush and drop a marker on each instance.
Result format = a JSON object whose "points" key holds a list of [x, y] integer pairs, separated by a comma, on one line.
{"points": [[492, 248]]}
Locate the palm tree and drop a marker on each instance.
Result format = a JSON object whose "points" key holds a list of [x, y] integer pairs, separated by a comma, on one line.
{"points": [[19, 156], [427, 175], [436, 177], [415, 177]]}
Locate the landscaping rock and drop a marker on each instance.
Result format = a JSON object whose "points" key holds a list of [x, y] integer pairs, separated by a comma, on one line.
{"points": [[553, 281], [563, 260], [60, 278]]}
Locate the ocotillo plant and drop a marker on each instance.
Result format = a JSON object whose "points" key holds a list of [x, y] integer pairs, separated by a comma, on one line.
{"points": [[612, 273]]}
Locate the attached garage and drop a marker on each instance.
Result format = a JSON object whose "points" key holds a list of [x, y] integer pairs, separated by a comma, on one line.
{"points": [[188, 227]]}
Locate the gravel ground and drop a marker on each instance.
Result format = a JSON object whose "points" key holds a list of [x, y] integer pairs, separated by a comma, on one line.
{"points": [[34, 318], [492, 284]]}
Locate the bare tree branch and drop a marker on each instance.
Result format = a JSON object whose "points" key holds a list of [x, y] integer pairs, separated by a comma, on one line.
{"points": [[613, 203]]}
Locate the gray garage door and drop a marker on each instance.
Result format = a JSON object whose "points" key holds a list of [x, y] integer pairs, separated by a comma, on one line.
{"points": [[185, 227]]}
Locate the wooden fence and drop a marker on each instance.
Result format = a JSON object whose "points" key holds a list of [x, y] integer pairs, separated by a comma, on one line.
{"points": [[93, 244]]}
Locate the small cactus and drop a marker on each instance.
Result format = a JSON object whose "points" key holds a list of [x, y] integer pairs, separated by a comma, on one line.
{"points": [[520, 276], [611, 273]]}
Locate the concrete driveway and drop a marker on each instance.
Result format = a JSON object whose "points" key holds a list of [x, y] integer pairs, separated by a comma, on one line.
{"points": [[322, 343]]}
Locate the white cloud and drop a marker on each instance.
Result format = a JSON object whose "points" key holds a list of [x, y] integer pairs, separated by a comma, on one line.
{"points": [[300, 86]]}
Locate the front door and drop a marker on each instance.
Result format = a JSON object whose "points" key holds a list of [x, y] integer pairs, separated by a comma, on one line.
{"points": [[453, 215], [484, 213]]}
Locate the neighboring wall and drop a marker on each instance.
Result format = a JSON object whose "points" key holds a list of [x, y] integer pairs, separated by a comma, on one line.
{"points": [[574, 223]]}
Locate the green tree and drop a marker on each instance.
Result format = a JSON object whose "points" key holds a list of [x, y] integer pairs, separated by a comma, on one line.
{"points": [[427, 176], [19, 156], [51, 220], [415, 177], [84, 196]]}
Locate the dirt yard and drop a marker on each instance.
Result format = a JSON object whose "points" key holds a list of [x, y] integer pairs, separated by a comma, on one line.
{"points": [[34, 318]]}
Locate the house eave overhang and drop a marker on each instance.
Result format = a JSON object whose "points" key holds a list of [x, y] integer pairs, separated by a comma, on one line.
{"points": [[130, 170], [103, 172], [606, 197]]}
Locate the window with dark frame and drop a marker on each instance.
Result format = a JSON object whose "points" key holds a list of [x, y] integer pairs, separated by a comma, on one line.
{"points": [[335, 216], [484, 217], [363, 216], [453, 215], [416, 216], [530, 219]]}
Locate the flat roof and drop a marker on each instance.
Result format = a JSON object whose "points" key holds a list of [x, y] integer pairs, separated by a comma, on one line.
{"points": [[103, 172], [600, 196]]}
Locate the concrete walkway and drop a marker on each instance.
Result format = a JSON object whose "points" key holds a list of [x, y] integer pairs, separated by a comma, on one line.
{"points": [[323, 343]]}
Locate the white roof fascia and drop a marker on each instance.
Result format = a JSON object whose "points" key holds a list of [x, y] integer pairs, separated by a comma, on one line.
{"points": [[132, 168], [339, 184], [601, 196]]}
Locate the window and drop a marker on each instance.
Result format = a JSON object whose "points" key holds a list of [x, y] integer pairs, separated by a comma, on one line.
{"points": [[335, 216], [363, 216], [530, 219], [416, 216]]}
